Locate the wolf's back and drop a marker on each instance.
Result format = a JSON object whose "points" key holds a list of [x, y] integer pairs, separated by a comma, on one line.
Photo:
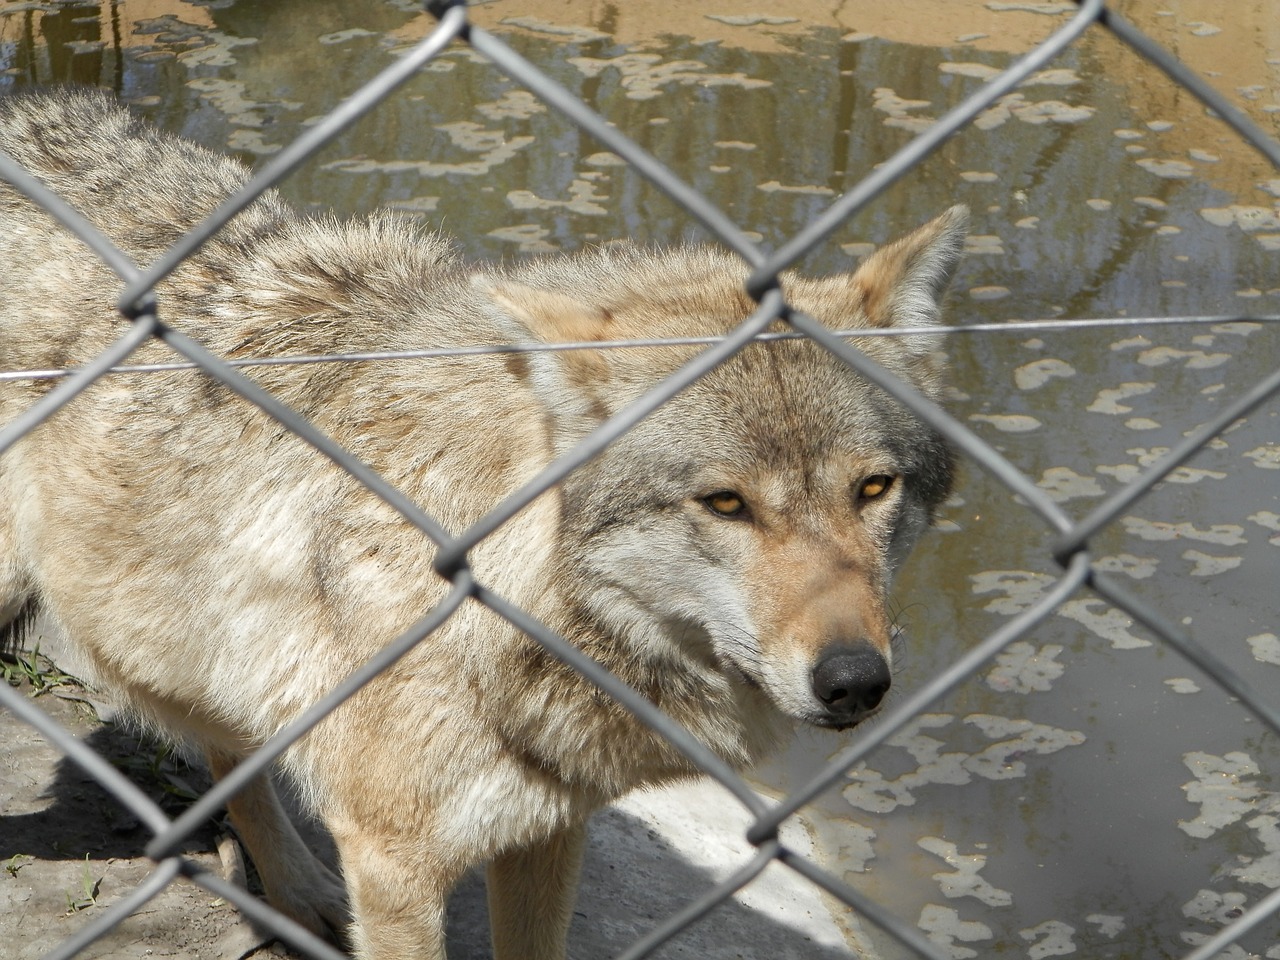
{"points": [[140, 187]]}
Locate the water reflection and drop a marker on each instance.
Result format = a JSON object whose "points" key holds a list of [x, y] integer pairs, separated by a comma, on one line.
{"points": [[1089, 791]]}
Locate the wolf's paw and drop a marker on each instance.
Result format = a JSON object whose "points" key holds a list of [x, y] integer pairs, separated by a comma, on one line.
{"points": [[320, 905]]}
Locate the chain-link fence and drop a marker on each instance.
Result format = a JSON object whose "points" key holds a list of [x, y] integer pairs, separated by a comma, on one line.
{"points": [[145, 321]]}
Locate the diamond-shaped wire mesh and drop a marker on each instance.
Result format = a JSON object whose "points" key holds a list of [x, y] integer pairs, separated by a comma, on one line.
{"points": [[1070, 537]]}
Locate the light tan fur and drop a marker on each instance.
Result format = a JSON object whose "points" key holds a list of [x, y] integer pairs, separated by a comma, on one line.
{"points": [[219, 575]]}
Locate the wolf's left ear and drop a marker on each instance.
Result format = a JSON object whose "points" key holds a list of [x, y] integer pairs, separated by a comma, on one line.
{"points": [[901, 283], [573, 384]]}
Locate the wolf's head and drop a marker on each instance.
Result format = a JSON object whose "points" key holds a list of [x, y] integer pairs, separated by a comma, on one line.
{"points": [[750, 527]]}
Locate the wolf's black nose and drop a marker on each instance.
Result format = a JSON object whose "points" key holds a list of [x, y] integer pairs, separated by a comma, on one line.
{"points": [[851, 681]]}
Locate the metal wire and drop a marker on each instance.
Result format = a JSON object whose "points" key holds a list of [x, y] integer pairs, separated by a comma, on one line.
{"points": [[1070, 547], [1019, 327]]}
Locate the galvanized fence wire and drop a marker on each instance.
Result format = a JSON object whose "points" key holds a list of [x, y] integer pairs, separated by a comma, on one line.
{"points": [[1071, 538]]}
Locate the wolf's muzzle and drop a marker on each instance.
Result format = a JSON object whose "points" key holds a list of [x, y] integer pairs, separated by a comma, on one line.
{"points": [[850, 682]]}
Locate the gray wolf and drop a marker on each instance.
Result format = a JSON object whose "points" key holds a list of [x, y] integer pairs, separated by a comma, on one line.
{"points": [[730, 557]]}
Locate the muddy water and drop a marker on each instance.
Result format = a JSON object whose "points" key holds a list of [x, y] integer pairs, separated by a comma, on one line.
{"points": [[1089, 792]]}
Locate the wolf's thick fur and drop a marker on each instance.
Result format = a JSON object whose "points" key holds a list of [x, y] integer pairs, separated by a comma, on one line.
{"points": [[729, 557]]}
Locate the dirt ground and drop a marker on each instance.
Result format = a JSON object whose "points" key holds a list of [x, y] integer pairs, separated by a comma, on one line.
{"points": [[69, 849]]}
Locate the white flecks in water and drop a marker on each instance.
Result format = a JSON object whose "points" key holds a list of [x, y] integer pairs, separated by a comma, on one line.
{"points": [[735, 145], [980, 71], [1108, 400], [1126, 134], [1021, 668], [1035, 112], [1196, 359], [1037, 373], [492, 145], [1270, 521], [1249, 219], [1213, 907], [899, 110], [1220, 790], [964, 880], [1003, 759], [1049, 939], [582, 197], [1141, 423], [773, 186], [529, 237], [1131, 343], [1057, 77], [1167, 169], [251, 141], [1021, 589], [1264, 870], [1111, 625], [1139, 568], [1203, 156], [944, 927], [604, 158], [979, 176], [1125, 472], [1063, 484], [750, 19], [988, 293], [1052, 9], [512, 105], [1201, 29], [870, 790], [1108, 924], [645, 75], [1008, 422], [1159, 126], [1210, 566], [415, 204], [1182, 685], [1151, 203], [1265, 647], [1097, 203], [342, 36], [1168, 230], [983, 244], [230, 97], [571, 33], [1266, 456], [1027, 223], [1223, 534]]}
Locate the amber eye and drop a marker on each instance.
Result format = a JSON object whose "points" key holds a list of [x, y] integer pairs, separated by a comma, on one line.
{"points": [[874, 487], [725, 503]]}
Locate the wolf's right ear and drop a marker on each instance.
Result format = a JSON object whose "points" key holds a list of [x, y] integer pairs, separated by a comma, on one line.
{"points": [[901, 283]]}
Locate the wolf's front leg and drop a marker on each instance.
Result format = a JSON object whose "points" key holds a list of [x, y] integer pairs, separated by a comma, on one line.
{"points": [[531, 896], [297, 884], [397, 892]]}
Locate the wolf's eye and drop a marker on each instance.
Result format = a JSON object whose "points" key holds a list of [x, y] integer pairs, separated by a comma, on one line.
{"points": [[876, 486], [725, 503]]}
